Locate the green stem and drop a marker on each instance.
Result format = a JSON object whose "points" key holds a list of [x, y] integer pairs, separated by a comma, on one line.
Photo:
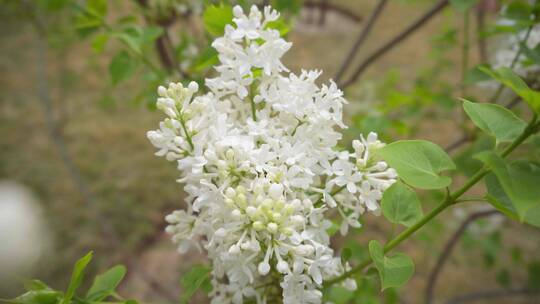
{"points": [[412, 229], [471, 199], [448, 201], [253, 106], [188, 136], [319, 202]]}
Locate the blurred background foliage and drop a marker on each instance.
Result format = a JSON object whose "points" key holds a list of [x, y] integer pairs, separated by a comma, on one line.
{"points": [[77, 96]]}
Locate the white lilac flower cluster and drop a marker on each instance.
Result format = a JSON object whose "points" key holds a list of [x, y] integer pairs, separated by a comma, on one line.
{"points": [[258, 158]]}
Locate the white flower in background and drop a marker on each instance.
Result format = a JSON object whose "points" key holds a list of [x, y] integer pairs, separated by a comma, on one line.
{"points": [[24, 235], [258, 158]]}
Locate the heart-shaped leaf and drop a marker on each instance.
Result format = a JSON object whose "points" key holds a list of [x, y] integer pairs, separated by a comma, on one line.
{"points": [[394, 271], [418, 163], [400, 205]]}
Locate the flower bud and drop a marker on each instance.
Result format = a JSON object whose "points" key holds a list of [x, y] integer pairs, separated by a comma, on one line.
{"points": [[234, 249], [236, 214], [221, 232], [264, 268], [282, 267], [258, 225], [289, 209], [275, 191], [193, 86], [230, 193], [162, 91], [272, 227], [251, 211], [229, 154]]}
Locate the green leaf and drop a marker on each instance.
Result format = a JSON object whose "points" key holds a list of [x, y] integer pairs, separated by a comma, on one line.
{"points": [[495, 120], [38, 293], [516, 84], [418, 163], [292, 6], [358, 252], [35, 285], [520, 11], [206, 59], [463, 5], [340, 295], [53, 5], [85, 25], [43, 296], [99, 42], [106, 283], [533, 54], [346, 254], [503, 278], [131, 37], [196, 278], [97, 7], [394, 271], [215, 18], [122, 67], [150, 34], [475, 75], [400, 205], [500, 200], [465, 161], [279, 25], [77, 277], [533, 270], [519, 180]]}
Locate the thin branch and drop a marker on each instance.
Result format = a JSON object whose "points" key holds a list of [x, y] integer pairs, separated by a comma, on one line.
{"points": [[447, 250], [361, 38], [164, 45], [55, 135], [480, 25], [378, 53], [465, 52], [170, 46], [345, 12], [495, 97], [460, 142], [323, 11], [494, 294]]}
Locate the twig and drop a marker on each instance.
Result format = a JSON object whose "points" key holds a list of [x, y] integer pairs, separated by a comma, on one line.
{"points": [[447, 250], [494, 294], [163, 43], [480, 25], [324, 10], [373, 57], [335, 8], [495, 97], [170, 46], [465, 52], [458, 143], [54, 134], [361, 38]]}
